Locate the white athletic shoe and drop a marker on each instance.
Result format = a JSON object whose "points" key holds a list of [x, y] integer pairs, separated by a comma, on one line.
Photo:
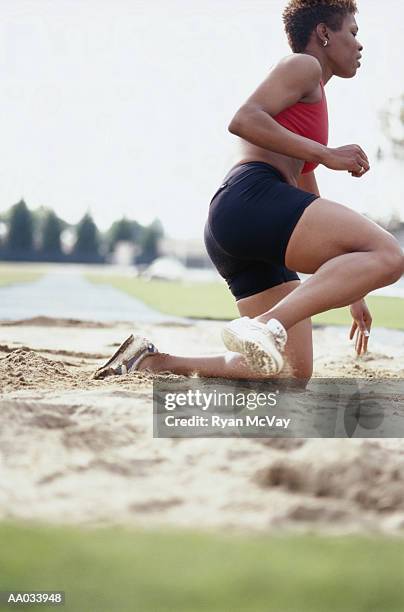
{"points": [[261, 343], [127, 358]]}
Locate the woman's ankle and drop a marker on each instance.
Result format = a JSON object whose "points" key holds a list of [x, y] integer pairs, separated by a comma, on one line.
{"points": [[151, 363]]}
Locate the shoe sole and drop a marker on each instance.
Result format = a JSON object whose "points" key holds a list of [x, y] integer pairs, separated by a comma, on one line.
{"points": [[257, 357]]}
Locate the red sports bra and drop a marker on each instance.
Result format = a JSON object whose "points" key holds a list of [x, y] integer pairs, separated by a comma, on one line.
{"points": [[309, 120]]}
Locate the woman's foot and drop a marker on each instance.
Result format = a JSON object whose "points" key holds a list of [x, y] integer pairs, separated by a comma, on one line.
{"points": [[127, 358], [262, 344]]}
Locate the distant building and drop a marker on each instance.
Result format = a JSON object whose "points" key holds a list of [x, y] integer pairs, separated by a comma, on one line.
{"points": [[67, 240], [124, 253], [3, 232]]}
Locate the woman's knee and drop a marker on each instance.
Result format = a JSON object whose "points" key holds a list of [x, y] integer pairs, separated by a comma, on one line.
{"points": [[390, 258]]}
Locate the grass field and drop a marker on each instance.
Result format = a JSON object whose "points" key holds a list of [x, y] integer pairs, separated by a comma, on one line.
{"points": [[118, 570], [213, 301], [12, 274], [199, 300]]}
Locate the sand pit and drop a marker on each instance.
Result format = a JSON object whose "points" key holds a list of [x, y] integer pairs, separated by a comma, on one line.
{"points": [[77, 450]]}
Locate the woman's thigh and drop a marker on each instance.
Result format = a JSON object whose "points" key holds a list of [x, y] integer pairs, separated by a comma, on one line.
{"points": [[326, 230], [299, 347]]}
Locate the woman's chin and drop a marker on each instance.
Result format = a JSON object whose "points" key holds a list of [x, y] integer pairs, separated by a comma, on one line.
{"points": [[347, 74]]}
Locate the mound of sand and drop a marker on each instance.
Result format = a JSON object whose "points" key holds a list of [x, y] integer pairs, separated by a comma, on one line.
{"points": [[369, 474], [22, 368]]}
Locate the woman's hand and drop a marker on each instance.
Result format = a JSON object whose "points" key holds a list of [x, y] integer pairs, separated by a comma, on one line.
{"points": [[351, 158], [362, 322]]}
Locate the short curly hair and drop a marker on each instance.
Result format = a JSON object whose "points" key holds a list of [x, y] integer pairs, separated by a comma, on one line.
{"points": [[302, 16]]}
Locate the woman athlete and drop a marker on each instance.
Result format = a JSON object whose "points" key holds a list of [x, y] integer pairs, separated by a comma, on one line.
{"points": [[267, 220]]}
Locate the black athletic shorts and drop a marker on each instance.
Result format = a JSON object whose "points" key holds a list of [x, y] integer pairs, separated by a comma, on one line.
{"points": [[251, 218]]}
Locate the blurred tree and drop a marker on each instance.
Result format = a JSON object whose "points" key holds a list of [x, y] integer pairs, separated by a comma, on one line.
{"points": [[121, 230], [124, 229], [87, 239], [51, 231], [20, 232], [149, 242], [157, 227]]}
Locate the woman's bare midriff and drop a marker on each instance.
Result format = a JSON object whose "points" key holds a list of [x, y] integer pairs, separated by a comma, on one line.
{"points": [[289, 167]]}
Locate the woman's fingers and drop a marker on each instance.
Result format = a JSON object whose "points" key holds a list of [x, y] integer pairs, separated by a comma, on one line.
{"points": [[357, 342], [357, 174], [358, 337], [362, 330], [361, 325], [363, 154], [365, 344], [366, 334], [361, 343], [363, 162], [361, 165]]}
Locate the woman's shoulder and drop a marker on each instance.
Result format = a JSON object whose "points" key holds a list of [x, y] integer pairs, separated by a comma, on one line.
{"points": [[297, 71], [300, 61]]}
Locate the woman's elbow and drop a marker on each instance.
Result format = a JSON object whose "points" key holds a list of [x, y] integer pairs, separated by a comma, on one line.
{"points": [[243, 120], [237, 123], [234, 126]]}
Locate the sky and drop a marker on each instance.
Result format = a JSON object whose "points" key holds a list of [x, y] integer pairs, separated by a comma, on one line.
{"points": [[121, 107]]}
